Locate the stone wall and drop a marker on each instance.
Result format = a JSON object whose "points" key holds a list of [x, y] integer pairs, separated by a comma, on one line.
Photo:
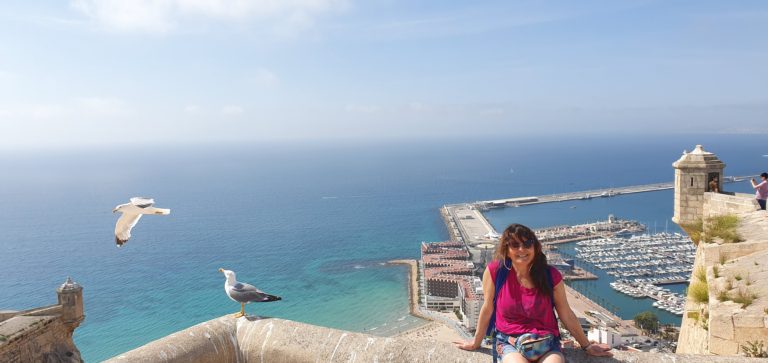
{"points": [[49, 340], [43, 334], [693, 338], [717, 204], [254, 339], [721, 325]]}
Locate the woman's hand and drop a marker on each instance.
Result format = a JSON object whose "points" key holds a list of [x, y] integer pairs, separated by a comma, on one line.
{"points": [[598, 350], [466, 345]]}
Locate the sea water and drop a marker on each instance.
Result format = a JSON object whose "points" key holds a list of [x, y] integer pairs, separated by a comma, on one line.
{"points": [[314, 223]]}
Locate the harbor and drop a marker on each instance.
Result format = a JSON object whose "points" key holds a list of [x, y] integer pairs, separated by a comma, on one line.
{"points": [[647, 286]]}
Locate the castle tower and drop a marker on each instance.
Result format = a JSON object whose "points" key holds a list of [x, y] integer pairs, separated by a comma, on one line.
{"points": [[71, 300], [693, 172]]}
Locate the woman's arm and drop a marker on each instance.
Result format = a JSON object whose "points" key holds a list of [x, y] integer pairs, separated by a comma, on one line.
{"points": [[489, 290], [571, 323]]}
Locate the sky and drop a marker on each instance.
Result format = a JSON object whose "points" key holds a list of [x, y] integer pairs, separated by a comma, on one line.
{"points": [[88, 73]]}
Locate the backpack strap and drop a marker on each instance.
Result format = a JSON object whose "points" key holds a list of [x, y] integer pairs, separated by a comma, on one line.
{"points": [[552, 295], [501, 278]]}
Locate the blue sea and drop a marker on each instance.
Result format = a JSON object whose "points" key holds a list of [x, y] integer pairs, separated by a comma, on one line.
{"points": [[311, 222]]}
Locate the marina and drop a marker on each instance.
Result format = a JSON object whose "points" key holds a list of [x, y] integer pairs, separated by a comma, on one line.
{"points": [[640, 263], [665, 299], [659, 258]]}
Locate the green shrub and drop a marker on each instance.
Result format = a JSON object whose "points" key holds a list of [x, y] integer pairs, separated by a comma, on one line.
{"points": [[701, 274], [723, 227], [722, 295], [699, 291], [744, 298], [694, 230]]}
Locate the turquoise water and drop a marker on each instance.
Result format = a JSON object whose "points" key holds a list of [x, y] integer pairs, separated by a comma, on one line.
{"points": [[312, 223]]}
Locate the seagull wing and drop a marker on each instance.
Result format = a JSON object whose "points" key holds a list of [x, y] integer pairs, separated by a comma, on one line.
{"points": [[124, 225], [244, 293], [142, 202], [153, 210]]}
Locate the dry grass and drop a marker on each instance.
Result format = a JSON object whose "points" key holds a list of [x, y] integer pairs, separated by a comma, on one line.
{"points": [[722, 227], [722, 295], [699, 291], [744, 297], [694, 230], [701, 274]]}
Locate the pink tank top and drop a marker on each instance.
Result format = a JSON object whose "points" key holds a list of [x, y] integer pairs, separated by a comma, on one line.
{"points": [[761, 190], [522, 310]]}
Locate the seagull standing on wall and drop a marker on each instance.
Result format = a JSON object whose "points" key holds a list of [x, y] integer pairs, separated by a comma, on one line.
{"points": [[131, 214], [244, 293]]}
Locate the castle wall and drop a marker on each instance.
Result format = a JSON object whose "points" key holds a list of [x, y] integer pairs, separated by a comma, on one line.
{"points": [[254, 339], [48, 340], [716, 204], [721, 327]]}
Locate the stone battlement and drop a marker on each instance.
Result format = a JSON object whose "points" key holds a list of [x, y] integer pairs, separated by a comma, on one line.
{"points": [[257, 339], [43, 334]]}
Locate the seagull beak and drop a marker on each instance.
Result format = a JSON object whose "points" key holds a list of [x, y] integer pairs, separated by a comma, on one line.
{"points": [[114, 210], [221, 270]]}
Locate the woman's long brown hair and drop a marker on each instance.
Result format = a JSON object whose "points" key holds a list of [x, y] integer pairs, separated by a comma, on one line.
{"points": [[539, 265]]}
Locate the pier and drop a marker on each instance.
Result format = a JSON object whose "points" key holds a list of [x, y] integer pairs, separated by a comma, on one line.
{"points": [[589, 194]]}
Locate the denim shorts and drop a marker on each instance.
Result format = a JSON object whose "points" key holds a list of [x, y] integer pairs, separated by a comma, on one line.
{"points": [[504, 347]]}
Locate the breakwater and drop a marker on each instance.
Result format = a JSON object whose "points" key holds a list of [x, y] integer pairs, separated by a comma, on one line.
{"points": [[588, 194]]}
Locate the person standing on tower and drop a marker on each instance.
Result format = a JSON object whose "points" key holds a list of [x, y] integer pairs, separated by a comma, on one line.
{"points": [[761, 189], [714, 186]]}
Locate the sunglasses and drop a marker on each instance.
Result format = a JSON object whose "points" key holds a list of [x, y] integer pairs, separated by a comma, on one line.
{"points": [[516, 245]]}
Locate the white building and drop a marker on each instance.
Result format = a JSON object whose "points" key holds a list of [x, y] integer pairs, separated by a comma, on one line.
{"points": [[611, 337]]}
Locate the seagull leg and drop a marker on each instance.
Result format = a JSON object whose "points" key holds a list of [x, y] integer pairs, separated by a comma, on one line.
{"points": [[242, 311]]}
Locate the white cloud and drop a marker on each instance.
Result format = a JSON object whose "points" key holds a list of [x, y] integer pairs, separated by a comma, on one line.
{"points": [[163, 16], [153, 16], [232, 110]]}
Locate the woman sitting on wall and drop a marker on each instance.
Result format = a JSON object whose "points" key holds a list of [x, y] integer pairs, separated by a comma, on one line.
{"points": [[524, 305]]}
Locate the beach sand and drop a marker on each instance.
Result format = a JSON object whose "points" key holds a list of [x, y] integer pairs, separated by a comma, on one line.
{"points": [[433, 330]]}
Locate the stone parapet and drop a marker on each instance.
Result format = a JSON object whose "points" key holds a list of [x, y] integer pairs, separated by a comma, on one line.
{"points": [[256, 339], [37, 339], [717, 204]]}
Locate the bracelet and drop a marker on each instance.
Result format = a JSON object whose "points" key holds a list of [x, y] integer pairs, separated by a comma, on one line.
{"points": [[584, 348]]}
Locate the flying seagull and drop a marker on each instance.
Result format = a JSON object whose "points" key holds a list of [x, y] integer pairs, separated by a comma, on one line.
{"points": [[244, 293], [131, 214]]}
